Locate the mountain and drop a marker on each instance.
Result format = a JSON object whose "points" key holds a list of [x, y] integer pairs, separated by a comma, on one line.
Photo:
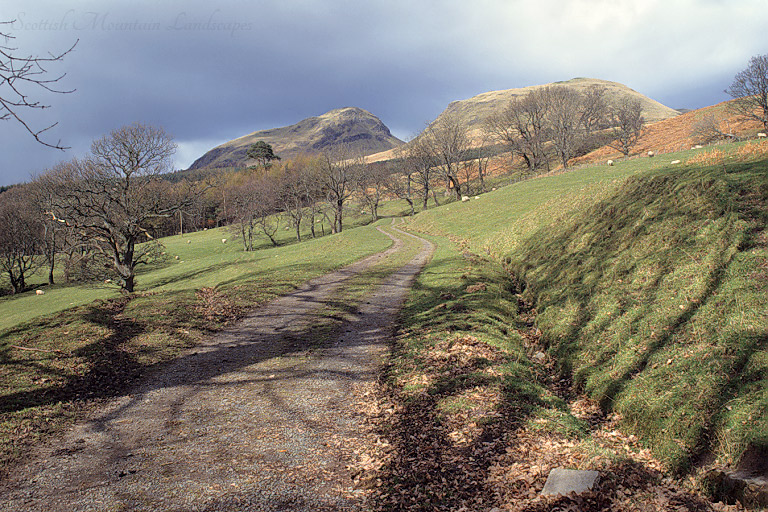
{"points": [[358, 129], [475, 110]]}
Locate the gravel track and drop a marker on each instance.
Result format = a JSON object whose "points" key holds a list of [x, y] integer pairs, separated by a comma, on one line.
{"points": [[252, 419]]}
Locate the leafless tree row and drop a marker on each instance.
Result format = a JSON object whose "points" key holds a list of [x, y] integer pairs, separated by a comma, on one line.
{"points": [[561, 120]]}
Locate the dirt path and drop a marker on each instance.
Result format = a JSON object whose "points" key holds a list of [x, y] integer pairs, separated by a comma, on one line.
{"points": [[252, 420]]}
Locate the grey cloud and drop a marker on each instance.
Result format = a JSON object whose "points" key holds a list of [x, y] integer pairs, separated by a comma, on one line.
{"points": [[212, 73]]}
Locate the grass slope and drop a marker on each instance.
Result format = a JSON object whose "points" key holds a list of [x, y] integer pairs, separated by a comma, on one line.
{"points": [[191, 261], [650, 289]]}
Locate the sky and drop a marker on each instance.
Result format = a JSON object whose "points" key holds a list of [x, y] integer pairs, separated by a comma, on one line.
{"points": [[208, 72]]}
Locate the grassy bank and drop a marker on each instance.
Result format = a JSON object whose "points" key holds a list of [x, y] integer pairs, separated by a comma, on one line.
{"points": [[649, 284]]}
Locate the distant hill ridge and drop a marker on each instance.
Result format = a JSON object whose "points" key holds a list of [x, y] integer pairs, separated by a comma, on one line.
{"points": [[359, 130], [475, 110]]}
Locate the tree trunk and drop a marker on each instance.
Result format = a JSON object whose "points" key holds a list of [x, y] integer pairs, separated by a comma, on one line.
{"points": [[339, 215], [17, 283], [312, 223], [51, 267]]}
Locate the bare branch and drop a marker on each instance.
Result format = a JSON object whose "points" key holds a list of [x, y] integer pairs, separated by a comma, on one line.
{"points": [[19, 73]]}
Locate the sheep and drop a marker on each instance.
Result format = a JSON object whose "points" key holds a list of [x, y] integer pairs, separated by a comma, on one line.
{"points": [[223, 240], [651, 154], [674, 162], [761, 135], [610, 163], [464, 199], [39, 292]]}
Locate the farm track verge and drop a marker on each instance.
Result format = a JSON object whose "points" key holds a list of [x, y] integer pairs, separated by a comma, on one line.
{"points": [[254, 418]]}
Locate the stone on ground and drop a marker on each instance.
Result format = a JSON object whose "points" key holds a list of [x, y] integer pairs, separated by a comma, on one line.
{"points": [[563, 481]]}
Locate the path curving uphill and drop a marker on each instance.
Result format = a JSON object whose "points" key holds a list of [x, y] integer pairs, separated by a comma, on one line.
{"points": [[257, 418]]}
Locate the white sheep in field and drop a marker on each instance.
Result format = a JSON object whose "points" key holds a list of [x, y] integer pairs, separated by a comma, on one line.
{"points": [[464, 199], [223, 240], [610, 163], [39, 292], [651, 154], [761, 135]]}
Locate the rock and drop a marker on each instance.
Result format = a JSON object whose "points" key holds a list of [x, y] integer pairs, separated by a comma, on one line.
{"points": [[562, 481], [732, 486], [39, 292], [189, 241], [540, 356], [477, 197]]}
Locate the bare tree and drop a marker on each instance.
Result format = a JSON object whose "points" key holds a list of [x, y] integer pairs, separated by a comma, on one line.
{"points": [[750, 89], [627, 120], [20, 237], [312, 184], [709, 129], [54, 235], [593, 110], [521, 126], [483, 154], [293, 192], [399, 181], [20, 77], [239, 194], [564, 120], [418, 157], [338, 174], [448, 142], [266, 203], [112, 195], [371, 185]]}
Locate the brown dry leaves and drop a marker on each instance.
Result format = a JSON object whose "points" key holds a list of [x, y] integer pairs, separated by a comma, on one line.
{"points": [[454, 446], [214, 305]]}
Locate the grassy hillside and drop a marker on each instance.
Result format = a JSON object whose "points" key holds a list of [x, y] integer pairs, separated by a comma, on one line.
{"points": [[677, 133], [650, 284], [193, 260]]}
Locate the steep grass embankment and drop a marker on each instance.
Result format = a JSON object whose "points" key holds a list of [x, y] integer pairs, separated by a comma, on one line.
{"points": [[651, 293]]}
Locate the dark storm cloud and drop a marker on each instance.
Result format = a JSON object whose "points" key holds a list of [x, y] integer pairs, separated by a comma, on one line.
{"points": [[209, 73]]}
